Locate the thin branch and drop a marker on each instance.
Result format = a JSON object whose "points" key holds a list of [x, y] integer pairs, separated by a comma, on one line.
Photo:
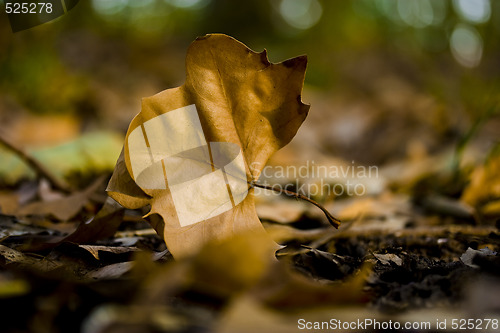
{"points": [[38, 167], [335, 222]]}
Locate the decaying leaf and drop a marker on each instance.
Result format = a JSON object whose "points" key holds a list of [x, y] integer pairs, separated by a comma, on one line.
{"points": [[388, 258], [62, 208], [63, 263], [470, 255], [484, 183], [192, 151], [95, 249], [103, 225], [281, 211]]}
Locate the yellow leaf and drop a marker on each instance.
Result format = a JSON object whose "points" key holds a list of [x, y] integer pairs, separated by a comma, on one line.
{"points": [[484, 183], [192, 151]]}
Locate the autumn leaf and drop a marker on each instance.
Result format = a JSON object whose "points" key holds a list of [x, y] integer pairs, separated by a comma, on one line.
{"points": [[192, 151], [103, 225], [62, 208], [484, 183]]}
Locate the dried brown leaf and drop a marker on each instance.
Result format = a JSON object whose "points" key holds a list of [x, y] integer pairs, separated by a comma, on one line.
{"points": [[95, 249], [232, 113], [64, 208], [484, 183], [103, 225]]}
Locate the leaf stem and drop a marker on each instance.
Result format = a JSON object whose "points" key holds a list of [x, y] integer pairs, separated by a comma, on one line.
{"points": [[335, 222], [34, 164]]}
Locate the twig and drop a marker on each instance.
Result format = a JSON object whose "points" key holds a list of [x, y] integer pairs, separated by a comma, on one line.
{"points": [[38, 167], [335, 222]]}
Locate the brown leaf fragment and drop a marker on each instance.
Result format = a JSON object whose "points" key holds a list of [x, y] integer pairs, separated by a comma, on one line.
{"points": [[24, 261], [281, 211], [112, 271], [12, 256], [388, 258], [11, 226], [103, 225], [9, 202], [95, 249], [63, 264], [484, 184], [470, 255], [65, 208]]}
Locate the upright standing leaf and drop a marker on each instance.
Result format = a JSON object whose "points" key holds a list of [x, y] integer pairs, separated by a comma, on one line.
{"points": [[193, 150]]}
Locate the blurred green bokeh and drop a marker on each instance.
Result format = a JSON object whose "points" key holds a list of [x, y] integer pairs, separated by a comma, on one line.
{"points": [[433, 43], [98, 60]]}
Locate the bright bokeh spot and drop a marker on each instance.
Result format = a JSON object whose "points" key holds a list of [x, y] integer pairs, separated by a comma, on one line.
{"points": [[466, 45], [417, 13], [109, 7], [188, 3], [475, 11], [301, 14], [113, 7], [389, 8]]}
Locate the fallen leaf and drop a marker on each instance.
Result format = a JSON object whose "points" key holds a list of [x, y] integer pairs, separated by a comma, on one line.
{"points": [[95, 249], [62, 208], [12, 256], [492, 208], [9, 202], [470, 255], [24, 261], [281, 211], [320, 265], [63, 262], [112, 271], [387, 211], [11, 226], [484, 183], [192, 151], [103, 225], [284, 233], [386, 259]]}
